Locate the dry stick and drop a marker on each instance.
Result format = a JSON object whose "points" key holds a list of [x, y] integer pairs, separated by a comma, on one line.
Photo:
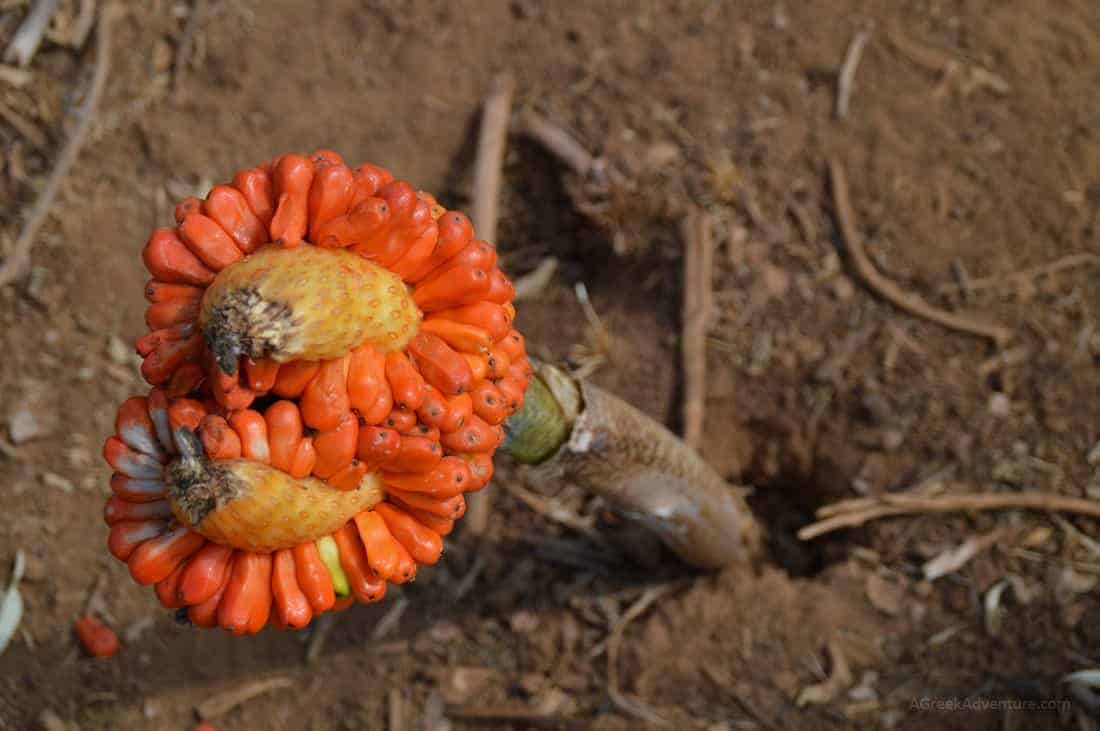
{"points": [[532, 284], [396, 703], [223, 703], [697, 296], [28, 37], [906, 301], [848, 72], [187, 41], [495, 115], [321, 630], [1071, 261], [559, 142], [552, 510], [16, 263], [513, 715], [614, 643], [24, 127], [856, 512]]}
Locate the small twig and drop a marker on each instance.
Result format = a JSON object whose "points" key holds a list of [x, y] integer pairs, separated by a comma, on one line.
{"points": [[15, 77], [624, 702], [496, 111], [16, 263], [321, 630], [26, 129], [396, 703], [532, 284], [695, 309], [856, 512], [187, 40], [29, 35], [223, 703], [1072, 261], [389, 620], [557, 141], [495, 114], [889, 291], [848, 72], [466, 583], [554, 511], [513, 715], [95, 596]]}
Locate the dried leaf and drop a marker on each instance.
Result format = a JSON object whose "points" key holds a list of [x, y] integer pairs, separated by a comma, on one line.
{"points": [[954, 559], [992, 604], [839, 680], [1090, 678], [11, 607]]}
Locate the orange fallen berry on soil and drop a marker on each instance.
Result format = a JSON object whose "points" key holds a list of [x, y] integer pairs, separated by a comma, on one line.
{"points": [[98, 639]]}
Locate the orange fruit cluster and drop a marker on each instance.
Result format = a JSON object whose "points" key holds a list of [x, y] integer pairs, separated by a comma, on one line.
{"points": [[332, 355]]}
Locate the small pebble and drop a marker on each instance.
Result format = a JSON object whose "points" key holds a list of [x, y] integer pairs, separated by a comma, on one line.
{"points": [[56, 481], [999, 405], [24, 425], [118, 351]]}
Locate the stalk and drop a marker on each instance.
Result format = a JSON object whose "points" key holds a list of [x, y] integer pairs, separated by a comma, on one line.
{"points": [[574, 431]]}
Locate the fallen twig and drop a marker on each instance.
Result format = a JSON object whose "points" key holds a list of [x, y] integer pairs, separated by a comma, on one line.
{"points": [[389, 620], [557, 141], [16, 77], [513, 715], [495, 114], [856, 512], [321, 630], [26, 129], [906, 301], [848, 72], [839, 680], [16, 263], [1071, 261], [223, 703], [186, 42], [695, 309], [396, 704], [29, 35], [552, 510], [614, 643], [530, 285]]}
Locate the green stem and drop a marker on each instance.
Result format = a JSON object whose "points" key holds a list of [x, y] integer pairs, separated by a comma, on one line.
{"points": [[536, 432]]}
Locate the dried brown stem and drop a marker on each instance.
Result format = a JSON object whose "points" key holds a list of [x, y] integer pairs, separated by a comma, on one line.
{"points": [[496, 112], [1071, 261], [856, 512], [557, 141], [186, 43], [16, 264], [697, 296], [223, 703], [29, 35], [848, 72], [506, 714], [889, 291], [614, 644], [532, 284]]}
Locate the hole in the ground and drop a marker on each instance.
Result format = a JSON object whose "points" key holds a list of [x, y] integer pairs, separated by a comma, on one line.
{"points": [[786, 503]]}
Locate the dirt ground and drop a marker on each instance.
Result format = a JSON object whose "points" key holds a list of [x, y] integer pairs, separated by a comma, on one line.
{"points": [[972, 153]]}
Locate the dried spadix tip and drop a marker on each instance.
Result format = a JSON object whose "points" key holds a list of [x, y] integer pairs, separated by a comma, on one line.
{"points": [[304, 303], [612, 449], [256, 507]]}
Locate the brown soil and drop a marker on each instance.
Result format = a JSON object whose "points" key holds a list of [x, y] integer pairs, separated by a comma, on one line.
{"points": [[818, 389]]}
